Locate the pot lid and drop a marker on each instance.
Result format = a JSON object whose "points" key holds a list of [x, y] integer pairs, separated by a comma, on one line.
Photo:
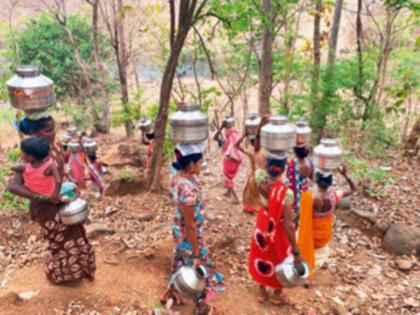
{"points": [[278, 120], [27, 71], [328, 142]]}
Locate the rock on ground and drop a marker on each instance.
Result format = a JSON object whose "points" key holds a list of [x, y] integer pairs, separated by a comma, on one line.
{"points": [[402, 239]]}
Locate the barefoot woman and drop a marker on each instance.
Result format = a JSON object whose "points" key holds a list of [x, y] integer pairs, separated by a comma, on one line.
{"points": [[70, 258], [274, 236], [188, 226]]}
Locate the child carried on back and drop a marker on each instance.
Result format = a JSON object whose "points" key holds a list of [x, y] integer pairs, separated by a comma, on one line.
{"points": [[40, 174]]}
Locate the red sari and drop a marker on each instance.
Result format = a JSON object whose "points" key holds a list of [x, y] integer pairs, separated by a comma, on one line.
{"points": [[269, 245]]}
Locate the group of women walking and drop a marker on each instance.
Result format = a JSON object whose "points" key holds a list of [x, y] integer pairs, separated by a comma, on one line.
{"points": [[291, 221]]}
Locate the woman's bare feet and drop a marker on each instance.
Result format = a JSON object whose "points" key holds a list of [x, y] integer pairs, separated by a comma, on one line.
{"points": [[279, 298], [263, 297]]}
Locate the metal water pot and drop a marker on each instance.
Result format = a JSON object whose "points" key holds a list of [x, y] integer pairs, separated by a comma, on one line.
{"points": [[75, 212], [229, 121], [145, 124], [278, 134], [251, 124], [303, 132], [189, 125], [30, 91], [65, 139], [290, 275], [328, 156], [74, 146], [190, 280], [90, 145], [72, 130]]}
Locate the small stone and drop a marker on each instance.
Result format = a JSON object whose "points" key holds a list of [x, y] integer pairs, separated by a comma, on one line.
{"points": [[411, 302], [145, 216], [339, 310], [405, 264], [28, 295], [99, 228]]}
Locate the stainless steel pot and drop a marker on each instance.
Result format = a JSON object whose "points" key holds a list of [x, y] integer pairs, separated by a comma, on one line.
{"points": [[72, 130], [229, 121], [189, 125], [74, 146], [90, 145], [75, 212], [145, 124], [303, 132], [251, 124], [328, 156], [291, 276], [190, 280], [31, 91], [65, 139], [278, 134]]}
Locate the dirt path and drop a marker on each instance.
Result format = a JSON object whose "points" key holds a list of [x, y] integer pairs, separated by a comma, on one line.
{"points": [[134, 262]]}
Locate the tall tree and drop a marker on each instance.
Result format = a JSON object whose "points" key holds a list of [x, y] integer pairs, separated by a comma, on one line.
{"points": [[182, 17], [266, 63], [328, 81], [316, 65], [103, 124], [114, 22]]}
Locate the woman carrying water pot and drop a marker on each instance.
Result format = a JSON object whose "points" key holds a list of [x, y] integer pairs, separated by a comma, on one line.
{"points": [[188, 227]]}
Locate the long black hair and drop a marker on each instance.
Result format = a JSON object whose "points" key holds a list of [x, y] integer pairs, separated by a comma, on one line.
{"points": [[182, 162], [323, 180], [29, 126]]}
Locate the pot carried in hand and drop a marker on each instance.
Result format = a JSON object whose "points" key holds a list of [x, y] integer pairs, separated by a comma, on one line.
{"points": [[190, 280], [303, 132], [328, 155], [75, 212], [189, 125], [278, 134], [290, 275], [30, 91], [251, 125]]}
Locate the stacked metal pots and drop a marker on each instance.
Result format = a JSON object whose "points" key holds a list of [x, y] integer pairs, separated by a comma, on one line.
{"points": [[30, 91], [189, 125]]}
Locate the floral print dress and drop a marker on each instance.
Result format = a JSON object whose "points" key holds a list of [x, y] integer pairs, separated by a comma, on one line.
{"points": [[189, 193]]}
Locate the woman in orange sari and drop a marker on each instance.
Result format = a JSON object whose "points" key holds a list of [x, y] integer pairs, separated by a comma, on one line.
{"points": [[316, 227], [274, 235]]}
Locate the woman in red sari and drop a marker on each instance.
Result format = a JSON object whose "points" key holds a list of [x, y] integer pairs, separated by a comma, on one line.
{"points": [[274, 235], [71, 257]]}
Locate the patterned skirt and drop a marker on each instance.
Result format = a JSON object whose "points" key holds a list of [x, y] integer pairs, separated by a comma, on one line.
{"points": [[70, 256]]}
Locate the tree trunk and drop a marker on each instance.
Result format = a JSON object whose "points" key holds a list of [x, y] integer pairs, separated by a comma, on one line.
{"points": [[103, 124], [316, 68], [185, 17], [80, 62], [329, 90], [290, 58], [386, 51], [266, 69], [122, 63], [411, 145]]}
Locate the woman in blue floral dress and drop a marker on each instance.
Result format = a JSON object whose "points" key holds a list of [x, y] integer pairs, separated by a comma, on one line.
{"points": [[188, 228]]}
